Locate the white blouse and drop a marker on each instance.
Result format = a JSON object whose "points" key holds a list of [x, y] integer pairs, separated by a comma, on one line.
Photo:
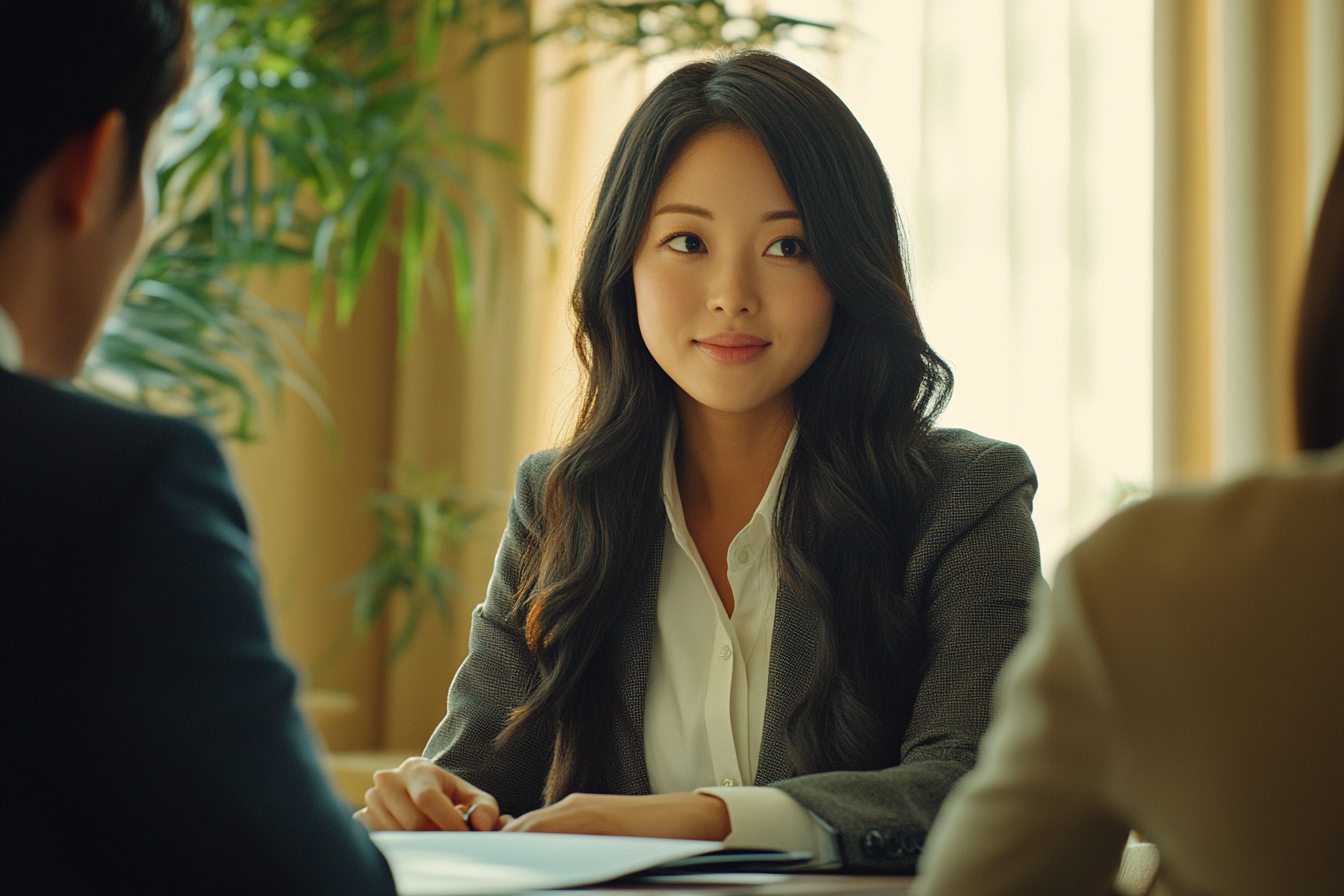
{"points": [[704, 710]]}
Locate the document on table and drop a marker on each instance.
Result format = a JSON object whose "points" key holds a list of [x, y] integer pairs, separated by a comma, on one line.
{"points": [[439, 863]]}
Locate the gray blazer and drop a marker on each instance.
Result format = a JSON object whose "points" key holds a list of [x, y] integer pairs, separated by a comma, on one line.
{"points": [[970, 574]]}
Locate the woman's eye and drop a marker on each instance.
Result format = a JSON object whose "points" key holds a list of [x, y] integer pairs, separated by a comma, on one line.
{"points": [[686, 243], [788, 247]]}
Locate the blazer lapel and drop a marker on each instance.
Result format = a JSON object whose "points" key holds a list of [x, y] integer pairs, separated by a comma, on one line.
{"points": [[793, 656], [635, 640]]}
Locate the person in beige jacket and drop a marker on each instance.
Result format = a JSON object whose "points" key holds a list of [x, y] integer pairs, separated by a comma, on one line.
{"points": [[1185, 679]]}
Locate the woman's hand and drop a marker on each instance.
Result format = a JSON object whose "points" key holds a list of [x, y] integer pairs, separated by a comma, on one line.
{"points": [[419, 796], [682, 816]]}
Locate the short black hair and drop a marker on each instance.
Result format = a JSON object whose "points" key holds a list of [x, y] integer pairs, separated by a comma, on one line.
{"points": [[64, 64]]}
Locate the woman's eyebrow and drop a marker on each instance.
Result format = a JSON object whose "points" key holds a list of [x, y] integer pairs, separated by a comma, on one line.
{"points": [[680, 208]]}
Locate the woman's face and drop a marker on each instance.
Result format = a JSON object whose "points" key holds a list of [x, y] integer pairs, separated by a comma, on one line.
{"points": [[730, 304]]}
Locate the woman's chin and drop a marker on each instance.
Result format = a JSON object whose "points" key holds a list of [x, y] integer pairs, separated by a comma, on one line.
{"points": [[735, 403]]}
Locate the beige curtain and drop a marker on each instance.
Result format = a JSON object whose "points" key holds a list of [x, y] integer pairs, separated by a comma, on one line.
{"points": [[306, 496], [1017, 136], [1250, 100], [475, 403]]}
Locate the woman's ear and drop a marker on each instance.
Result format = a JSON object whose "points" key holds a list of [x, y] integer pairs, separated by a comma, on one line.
{"points": [[89, 173]]}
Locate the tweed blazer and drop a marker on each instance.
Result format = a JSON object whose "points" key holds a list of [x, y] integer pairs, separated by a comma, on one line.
{"points": [[970, 575]]}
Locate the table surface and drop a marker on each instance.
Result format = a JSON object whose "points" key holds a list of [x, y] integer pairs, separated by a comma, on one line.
{"points": [[764, 885]]}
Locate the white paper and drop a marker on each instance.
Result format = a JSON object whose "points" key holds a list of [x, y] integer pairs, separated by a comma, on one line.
{"points": [[477, 863]]}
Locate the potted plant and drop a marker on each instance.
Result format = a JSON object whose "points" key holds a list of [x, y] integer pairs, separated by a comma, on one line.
{"points": [[310, 135]]}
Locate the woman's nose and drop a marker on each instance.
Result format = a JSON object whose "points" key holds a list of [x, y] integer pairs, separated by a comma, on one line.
{"points": [[734, 290]]}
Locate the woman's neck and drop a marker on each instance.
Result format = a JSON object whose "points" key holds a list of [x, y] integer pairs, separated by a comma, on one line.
{"points": [[725, 460]]}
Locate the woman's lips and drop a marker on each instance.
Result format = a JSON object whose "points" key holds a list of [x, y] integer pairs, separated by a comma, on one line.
{"points": [[733, 348]]}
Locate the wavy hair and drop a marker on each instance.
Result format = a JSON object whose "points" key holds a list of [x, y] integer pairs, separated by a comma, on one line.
{"points": [[844, 523], [1319, 357]]}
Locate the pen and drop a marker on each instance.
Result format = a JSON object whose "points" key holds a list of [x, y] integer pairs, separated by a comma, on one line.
{"points": [[466, 816]]}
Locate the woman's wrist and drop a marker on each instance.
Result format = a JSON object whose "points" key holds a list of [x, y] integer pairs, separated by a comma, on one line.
{"points": [[712, 818]]}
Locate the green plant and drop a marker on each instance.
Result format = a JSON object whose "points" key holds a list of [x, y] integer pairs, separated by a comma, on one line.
{"points": [[191, 340], [421, 521], [311, 136], [644, 30], [296, 141]]}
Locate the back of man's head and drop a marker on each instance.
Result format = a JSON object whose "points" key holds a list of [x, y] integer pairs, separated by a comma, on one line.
{"points": [[64, 64]]}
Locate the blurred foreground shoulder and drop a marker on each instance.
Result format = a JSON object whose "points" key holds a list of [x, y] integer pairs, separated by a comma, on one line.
{"points": [[1274, 532]]}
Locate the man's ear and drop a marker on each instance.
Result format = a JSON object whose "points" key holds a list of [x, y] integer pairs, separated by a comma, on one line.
{"points": [[87, 165]]}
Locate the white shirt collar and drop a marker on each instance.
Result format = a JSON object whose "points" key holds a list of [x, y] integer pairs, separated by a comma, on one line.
{"points": [[765, 510], [11, 347]]}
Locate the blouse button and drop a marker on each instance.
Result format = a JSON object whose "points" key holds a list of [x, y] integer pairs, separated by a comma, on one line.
{"points": [[729, 782], [743, 555], [725, 652]]}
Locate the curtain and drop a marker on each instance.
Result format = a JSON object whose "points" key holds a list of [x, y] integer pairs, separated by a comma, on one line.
{"points": [[1249, 105]]}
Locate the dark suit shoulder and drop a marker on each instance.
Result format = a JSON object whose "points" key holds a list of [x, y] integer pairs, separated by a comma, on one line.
{"points": [[78, 479], [33, 402], [59, 441], [74, 469], [154, 681]]}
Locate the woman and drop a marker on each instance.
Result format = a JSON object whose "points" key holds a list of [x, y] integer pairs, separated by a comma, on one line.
{"points": [[755, 562]]}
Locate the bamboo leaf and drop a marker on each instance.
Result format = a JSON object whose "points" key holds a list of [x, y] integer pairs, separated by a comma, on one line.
{"points": [[459, 249], [427, 35], [437, 597], [326, 231], [407, 632], [369, 222], [416, 227]]}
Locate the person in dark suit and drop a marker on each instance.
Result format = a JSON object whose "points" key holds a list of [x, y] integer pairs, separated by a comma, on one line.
{"points": [[150, 739]]}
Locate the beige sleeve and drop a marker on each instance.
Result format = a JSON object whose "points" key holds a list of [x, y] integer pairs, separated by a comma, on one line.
{"points": [[1032, 816], [768, 818]]}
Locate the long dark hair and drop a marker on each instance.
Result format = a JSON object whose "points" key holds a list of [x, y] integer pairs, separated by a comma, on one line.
{"points": [[1319, 367], [850, 496]]}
